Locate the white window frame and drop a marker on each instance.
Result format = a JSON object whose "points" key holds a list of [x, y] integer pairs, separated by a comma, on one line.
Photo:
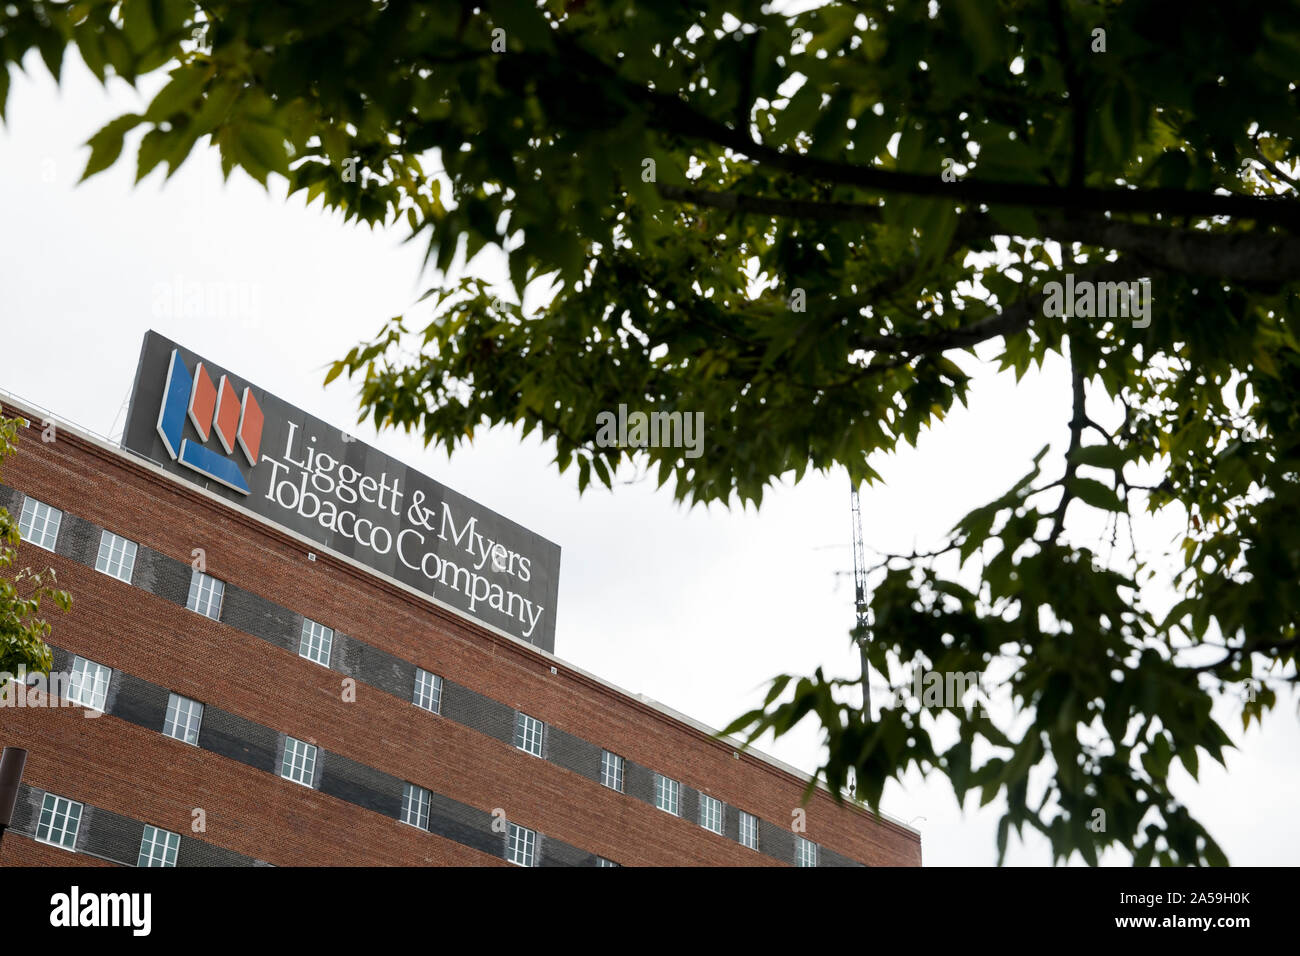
{"points": [[416, 803], [158, 847], [116, 556], [428, 691], [59, 809], [748, 830], [711, 813], [180, 711], [668, 790], [529, 732], [204, 590], [612, 770], [316, 642], [805, 851], [601, 861], [46, 534], [88, 683], [298, 757], [521, 846]]}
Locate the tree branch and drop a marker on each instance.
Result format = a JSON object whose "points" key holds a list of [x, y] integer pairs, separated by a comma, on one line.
{"points": [[1234, 256], [670, 113], [775, 208], [1077, 423], [1016, 317]]}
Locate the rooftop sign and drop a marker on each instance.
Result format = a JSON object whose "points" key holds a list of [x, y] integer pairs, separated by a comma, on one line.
{"points": [[198, 421]]}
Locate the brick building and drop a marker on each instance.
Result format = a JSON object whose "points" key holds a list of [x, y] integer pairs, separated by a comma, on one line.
{"points": [[288, 705]]}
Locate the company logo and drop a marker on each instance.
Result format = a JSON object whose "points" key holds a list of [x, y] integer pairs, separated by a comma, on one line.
{"points": [[211, 409]]}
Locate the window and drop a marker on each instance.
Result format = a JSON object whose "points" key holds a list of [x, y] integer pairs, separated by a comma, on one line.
{"points": [[667, 794], [116, 556], [158, 848], [39, 523], [748, 830], [805, 852], [205, 595], [428, 691], [183, 719], [522, 845], [611, 770], [710, 813], [60, 819], [89, 684], [528, 734], [315, 643], [415, 806], [299, 764], [601, 861]]}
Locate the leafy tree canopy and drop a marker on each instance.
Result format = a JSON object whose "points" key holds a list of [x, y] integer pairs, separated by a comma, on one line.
{"points": [[797, 225]]}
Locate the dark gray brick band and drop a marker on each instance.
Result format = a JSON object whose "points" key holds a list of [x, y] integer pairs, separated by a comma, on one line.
{"points": [[356, 783], [158, 574], [574, 753], [639, 782], [478, 712], [239, 739], [78, 540], [11, 499], [775, 841], [140, 702], [463, 824], [111, 835], [255, 615], [827, 857]]}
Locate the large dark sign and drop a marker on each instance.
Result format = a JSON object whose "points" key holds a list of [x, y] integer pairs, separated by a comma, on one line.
{"points": [[197, 420]]}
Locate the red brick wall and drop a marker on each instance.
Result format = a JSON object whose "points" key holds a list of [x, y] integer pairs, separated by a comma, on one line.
{"points": [[120, 766], [24, 851]]}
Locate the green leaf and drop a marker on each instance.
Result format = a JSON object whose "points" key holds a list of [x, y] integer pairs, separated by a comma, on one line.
{"points": [[1157, 757], [186, 87], [52, 45], [1103, 456], [1017, 220], [106, 145], [153, 150], [524, 22], [260, 149], [778, 685], [1214, 855], [799, 113], [1094, 493], [982, 23], [138, 24]]}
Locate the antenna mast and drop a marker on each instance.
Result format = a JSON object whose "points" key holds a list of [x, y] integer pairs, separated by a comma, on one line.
{"points": [[860, 598]]}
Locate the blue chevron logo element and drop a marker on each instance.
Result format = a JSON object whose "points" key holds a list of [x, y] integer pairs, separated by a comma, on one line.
{"points": [[193, 397]]}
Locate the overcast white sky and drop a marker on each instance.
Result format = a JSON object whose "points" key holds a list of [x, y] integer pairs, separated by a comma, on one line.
{"points": [[696, 609]]}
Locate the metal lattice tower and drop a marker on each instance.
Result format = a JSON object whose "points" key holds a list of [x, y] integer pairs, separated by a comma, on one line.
{"points": [[860, 598]]}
